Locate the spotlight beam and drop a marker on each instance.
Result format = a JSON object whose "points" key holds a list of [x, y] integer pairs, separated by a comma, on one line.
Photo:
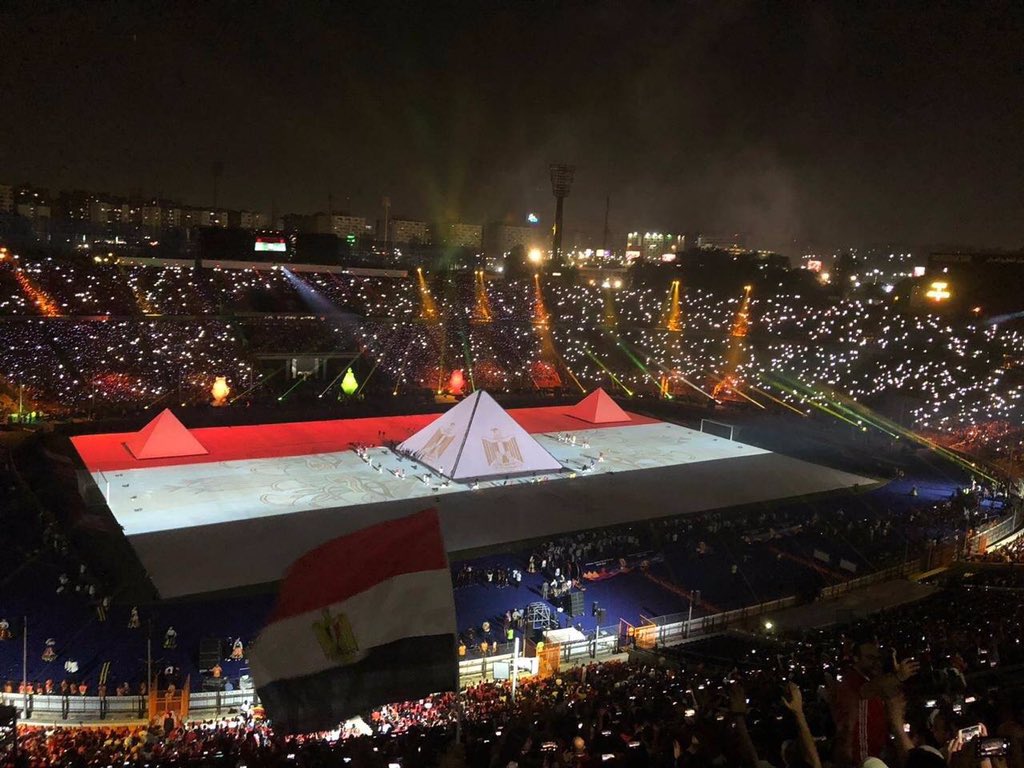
{"points": [[607, 370], [774, 399], [291, 389], [374, 368], [258, 384]]}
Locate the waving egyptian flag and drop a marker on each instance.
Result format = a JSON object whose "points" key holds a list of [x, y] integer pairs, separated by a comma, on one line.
{"points": [[363, 620]]}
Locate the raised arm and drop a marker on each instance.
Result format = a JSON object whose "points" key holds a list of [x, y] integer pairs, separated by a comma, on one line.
{"points": [[794, 702]]}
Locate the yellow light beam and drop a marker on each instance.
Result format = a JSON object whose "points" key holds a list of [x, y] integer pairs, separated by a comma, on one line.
{"points": [[672, 322], [777, 400]]}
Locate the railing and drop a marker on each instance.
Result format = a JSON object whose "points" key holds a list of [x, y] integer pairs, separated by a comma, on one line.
{"points": [[892, 572], [478, 670], [74, 709], [604, 643], [77, 708], [993, 533]]}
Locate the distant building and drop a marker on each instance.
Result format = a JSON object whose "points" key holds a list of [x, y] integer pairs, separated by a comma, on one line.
{"points": [[458, 235], [104, 209], [204, 217], [654, 246], [408, 232], [34, 204], [73, 206], [247, 220], [340, 224], [171, 215], [500, 238], [734, 243], [6, 198], [296, 222], [152, 217]]}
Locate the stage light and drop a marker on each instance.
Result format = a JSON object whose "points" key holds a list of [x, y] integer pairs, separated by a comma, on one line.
{"points": [[349, 385], [220, 390], [456, 382], [535, 256]]}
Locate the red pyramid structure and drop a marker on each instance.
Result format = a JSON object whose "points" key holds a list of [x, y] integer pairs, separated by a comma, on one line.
{"points": [[598, 408], [164, 438]]}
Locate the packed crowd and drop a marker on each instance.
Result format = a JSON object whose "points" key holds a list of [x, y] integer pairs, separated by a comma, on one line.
{"points": [[1012, 553], [927, 684], [76, 332]]}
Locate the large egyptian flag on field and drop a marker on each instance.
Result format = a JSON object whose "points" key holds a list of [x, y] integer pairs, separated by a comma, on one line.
{"points": [[363, 620]]}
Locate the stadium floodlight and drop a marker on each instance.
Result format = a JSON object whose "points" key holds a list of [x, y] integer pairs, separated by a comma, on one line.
{"points": [[561, 182]]}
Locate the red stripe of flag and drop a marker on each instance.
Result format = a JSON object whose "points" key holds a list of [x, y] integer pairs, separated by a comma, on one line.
{"points": [[351, 564]]}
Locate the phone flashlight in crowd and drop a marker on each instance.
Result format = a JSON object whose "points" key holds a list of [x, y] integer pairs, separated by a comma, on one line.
{"points": [[290, 756], [970, 700], [689, 713], [634, 744], [394, 765], [930, 704], [606, 757], [906, 727]]}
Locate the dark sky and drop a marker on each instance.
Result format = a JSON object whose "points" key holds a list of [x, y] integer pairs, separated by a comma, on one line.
{"points": [[821, 121]]}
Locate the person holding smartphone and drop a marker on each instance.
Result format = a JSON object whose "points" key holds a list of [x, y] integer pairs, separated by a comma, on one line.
{"points": [[862, 725]]}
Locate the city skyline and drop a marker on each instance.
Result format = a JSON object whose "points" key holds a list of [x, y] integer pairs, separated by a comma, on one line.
{"points": [[813, 122]]}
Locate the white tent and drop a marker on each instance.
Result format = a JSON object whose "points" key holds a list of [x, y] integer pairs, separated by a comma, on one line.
{"points": [[477, 439]]}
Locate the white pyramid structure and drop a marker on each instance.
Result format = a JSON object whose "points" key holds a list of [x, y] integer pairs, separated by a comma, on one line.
{"points": [[478, 440]]}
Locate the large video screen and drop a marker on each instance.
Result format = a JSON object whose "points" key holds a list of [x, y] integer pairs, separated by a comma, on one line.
{"points": [[272, 244]]}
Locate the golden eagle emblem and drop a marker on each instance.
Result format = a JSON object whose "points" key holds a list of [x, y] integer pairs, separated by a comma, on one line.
{"points": [[438, 443], [502, 451], [334, 633]]}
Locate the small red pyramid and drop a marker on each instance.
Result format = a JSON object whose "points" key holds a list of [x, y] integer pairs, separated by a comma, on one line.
{"points": [[163, 438], [598, 408]]}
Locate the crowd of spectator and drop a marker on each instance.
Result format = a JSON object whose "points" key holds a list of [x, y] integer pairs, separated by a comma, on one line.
{"points": [[899, 687], [907, 687], [80, 332]]}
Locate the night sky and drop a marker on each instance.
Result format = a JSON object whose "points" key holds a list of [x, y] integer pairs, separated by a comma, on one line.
{"points": [[824, 122]]}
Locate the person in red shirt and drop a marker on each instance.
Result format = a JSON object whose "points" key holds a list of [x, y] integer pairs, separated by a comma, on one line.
{"points": [[862, 727]]}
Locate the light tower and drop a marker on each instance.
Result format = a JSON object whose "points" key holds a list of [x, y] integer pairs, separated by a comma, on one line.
{"points": [[561, 182]]}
